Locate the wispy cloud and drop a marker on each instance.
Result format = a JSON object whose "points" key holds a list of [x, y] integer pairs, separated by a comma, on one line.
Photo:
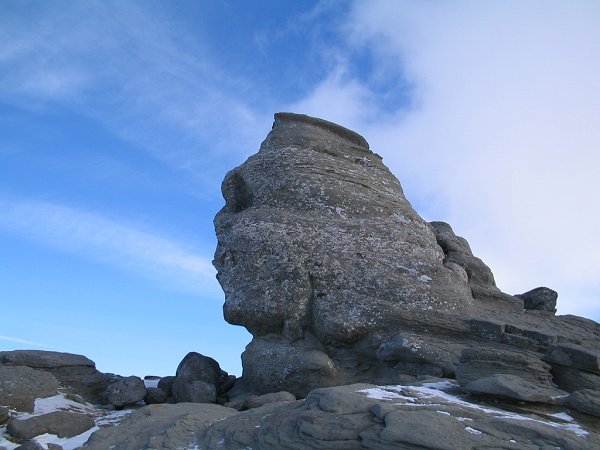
{"points": [[15, 340], [500, 137], [106, 240], [142, 75]]}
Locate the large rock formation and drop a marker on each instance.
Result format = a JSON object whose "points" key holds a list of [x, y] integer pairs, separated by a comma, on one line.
{"points": [[339, 280]]}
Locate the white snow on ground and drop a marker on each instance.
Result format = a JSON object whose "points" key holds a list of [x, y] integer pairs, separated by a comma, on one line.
{"points": [[437, 391], [152, 383], [57, 403], [563, 416], [47, 405]]}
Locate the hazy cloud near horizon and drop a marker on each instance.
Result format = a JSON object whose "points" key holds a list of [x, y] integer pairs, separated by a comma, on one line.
{"points": [[501, 135]]}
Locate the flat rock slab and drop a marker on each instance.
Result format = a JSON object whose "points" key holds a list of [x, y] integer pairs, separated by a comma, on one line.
{"points": [[20, 386], [61, 423], [164, 426], [423, 415], [43, 359]]}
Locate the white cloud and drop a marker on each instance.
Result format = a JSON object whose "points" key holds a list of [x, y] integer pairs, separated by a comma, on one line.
{"points": [[501, 136], [102, 239], [15, 340], [137, 72]]}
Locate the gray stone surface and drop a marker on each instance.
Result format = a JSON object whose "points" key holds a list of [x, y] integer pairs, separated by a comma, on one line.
{"points": [[369, 417], [4, 413], [20, 386], [155, 395], [75, 373], [125, 391], [160, 427], [166, 384], [197, 379], [586, 401], [542, 298], [195, 391], [30, 445], [512, 387], [61, 423], [325, 262]]}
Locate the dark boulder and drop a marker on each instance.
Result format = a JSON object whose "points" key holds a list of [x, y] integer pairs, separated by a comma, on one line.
{"points": [[197, 379], [155, 395], [542, 298], [125, 391]]}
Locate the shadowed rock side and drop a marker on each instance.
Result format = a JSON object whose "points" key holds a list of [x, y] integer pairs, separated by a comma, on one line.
{"points": [[339, 280]]}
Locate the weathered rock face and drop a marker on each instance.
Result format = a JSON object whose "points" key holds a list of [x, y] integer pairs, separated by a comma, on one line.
{"points": [[75, 373], [339, 280]]}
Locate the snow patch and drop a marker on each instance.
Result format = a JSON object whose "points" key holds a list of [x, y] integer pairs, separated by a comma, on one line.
{"points": [[415, 394], [152, 383], [472, 430]]}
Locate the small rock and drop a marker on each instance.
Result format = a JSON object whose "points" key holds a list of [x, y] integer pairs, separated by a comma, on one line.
{"points": [[587, 401], [542, 298], [20, 386], [61, 423], [54, 446], [126, 391], [155, 395], [255, 401]]}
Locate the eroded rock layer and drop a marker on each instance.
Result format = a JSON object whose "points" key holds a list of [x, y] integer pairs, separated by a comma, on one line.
{"points": [[339, 280]]}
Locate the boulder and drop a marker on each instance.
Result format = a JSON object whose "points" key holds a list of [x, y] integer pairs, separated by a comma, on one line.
{"points": [[197, 379], [20, 386], [586, 401], [541, 298], [75, 373], [166, 384], [325, 262], [155, 395], [195, 391], [61, 423], [125, 391], [164, 426]]}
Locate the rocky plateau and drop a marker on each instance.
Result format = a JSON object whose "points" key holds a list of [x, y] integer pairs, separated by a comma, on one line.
{"points": [[372, 329]]}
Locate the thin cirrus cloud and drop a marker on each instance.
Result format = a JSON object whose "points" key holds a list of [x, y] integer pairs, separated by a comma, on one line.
{"points": [[501, 135], [125, 66], [16, 340], [98, 238]]}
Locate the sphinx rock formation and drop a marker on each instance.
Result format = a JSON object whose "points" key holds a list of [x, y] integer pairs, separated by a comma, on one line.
{"points": [[339, 280]]}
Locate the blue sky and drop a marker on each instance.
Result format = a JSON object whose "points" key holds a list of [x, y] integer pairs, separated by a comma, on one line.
{"points": [[118, 121]]}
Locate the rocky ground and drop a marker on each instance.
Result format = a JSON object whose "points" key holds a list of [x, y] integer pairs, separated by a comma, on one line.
{"points": [[372, 328]]}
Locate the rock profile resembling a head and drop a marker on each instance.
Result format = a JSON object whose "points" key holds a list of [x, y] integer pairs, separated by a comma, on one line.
{"points": [[339, 280]]}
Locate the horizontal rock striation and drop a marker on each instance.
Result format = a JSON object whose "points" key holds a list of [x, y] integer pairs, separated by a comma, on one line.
{"points": [[323, 259]]}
